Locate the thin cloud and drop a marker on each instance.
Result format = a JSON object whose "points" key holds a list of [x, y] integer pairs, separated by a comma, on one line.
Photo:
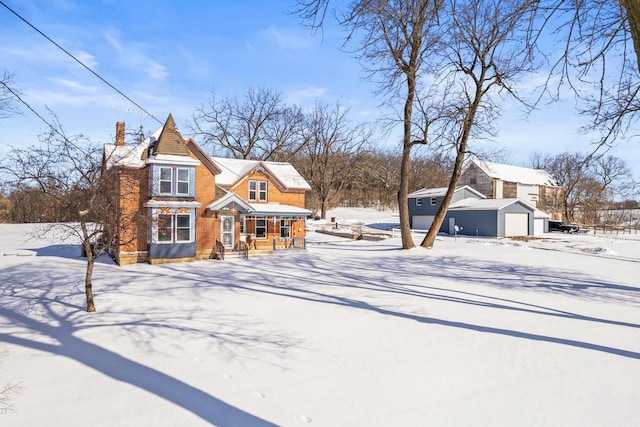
{"points": [[72, 84], [134, 55], [286, 39]]}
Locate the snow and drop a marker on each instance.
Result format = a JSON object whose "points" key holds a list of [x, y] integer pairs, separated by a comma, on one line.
{"points": [[519, 174], [234, 169], [476, 331]]}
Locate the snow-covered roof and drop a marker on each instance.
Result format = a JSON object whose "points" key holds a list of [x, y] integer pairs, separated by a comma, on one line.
{"points": [[229, 199], [129, 155], [539, 214], [233, 170], [518, 174], [278, 209], [441, 191], [124, 155], [486, 204]]}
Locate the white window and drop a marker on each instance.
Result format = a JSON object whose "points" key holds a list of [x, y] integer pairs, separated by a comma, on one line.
{"points": [[434, 201], [418, 202], [165, 228], [165, 180], [169, 176], [183, 228], [174, 228], [257, 191], [261, 228], [182, 181], [285, 228]]}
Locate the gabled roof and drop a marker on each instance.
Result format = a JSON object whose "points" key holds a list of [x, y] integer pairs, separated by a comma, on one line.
{"points": [[232, 201], [229, 201], [471, 204], [203, 157], [517, 174], [234, 170], [441, 191]]}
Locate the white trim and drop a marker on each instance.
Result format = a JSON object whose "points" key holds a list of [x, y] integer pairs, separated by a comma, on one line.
{"points": [[171, 204], [174, 160]]}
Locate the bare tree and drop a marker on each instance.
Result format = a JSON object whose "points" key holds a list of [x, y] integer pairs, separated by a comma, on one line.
{"points": [[332, 147], [395, 39], [599, 62], [632, 9], [69, 172], [589, 182], [482, 55], [7, 96], [260, 126]]}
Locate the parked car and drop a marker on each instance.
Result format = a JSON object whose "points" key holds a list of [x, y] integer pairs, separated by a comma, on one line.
{"points": [[563, 226]]}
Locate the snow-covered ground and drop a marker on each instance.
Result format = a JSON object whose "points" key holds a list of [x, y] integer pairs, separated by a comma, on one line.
{"points": [[483, 332]]}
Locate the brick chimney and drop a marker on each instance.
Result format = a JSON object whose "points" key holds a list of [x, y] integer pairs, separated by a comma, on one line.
{"points": [[120, 134]]}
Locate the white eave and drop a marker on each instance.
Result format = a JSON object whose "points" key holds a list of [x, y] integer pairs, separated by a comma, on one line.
{"points": [[174, 160], [171, 204], [278, 210]]}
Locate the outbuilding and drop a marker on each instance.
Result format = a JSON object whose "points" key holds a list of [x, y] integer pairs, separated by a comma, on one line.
{"points": [[471, 213]]}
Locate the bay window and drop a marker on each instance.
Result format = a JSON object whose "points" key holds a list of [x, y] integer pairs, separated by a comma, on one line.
{"points": [[174, 181], [174, 228]]}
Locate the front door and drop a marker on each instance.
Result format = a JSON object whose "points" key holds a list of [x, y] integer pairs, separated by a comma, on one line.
{"points": [[227, 231]]}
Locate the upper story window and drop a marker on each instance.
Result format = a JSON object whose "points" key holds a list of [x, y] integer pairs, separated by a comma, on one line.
{"points": [[433, 201], [174, 181], [182, 181], [166, 181], [257, 191], [418, 202]]}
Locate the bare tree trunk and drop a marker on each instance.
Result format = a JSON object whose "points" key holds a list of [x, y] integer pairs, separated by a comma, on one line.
{"points": [[430, 238], [403, 199], [461, 150], [89, 252], [88, 285], [405, 163], [632, 7]]}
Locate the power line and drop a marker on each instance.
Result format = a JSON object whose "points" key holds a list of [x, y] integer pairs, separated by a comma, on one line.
{"points": [[53, 128], [79, 62]]}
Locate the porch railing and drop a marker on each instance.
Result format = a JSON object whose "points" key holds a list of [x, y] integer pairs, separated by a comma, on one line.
{"points": [[284, 243]]}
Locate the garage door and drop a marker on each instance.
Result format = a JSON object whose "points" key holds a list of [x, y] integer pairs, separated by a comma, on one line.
{"points": [[538, 226], [516, 224], [422, 222]]}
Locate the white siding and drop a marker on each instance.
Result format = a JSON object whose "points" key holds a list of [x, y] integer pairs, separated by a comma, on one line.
{"points": [[528, 193]]}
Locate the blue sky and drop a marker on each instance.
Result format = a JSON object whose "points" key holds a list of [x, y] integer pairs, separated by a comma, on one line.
{"points": [[168, 56]]}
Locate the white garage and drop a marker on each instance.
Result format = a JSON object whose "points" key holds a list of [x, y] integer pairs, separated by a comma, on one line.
{"points": [[516, 224], [422, 222]]}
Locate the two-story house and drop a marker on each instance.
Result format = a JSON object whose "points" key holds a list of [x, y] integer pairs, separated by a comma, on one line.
{"points": [[501, 181], [170, 203]]}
